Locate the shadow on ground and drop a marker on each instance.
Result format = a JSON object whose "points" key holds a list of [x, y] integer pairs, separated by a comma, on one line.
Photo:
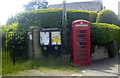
{"points": [[104, 67]]}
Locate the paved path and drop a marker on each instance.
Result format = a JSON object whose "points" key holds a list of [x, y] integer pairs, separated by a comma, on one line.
{"points": [[48, 73], [105, 67]]}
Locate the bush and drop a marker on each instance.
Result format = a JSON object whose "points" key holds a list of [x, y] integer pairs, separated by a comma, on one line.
{"points": [[14, 40], [9, 28], [102, 33], [93, 16], [107, 16]]}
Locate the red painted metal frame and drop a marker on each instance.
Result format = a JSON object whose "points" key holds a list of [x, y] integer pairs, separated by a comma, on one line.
{"points": [[74, 41]]}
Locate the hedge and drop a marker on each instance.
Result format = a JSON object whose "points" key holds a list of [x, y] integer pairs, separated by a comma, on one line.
{"points": [[93, 16], [77, 14], [107, 16], [42, 18], [103, 33], [48, 17]]}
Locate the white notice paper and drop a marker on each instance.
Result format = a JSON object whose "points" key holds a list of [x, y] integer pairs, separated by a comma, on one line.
{"points": [[44, 38]]}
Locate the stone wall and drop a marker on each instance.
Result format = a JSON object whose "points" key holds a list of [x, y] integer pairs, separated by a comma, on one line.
{"points": [[100, 53]]}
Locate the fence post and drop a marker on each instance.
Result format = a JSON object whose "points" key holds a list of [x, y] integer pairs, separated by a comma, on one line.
{"points": [[30, 49], [0, 50], [14, 54]]}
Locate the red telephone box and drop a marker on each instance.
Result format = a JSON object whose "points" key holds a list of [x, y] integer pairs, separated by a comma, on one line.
{"points": [[81, 42]]}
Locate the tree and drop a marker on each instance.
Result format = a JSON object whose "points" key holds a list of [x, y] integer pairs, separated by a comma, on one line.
{"points": [[36, 5], [107, 16], [11, 20]]}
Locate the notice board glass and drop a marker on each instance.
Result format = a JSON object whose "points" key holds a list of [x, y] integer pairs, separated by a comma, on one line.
{"points": [[56, 38], [44, 38]]}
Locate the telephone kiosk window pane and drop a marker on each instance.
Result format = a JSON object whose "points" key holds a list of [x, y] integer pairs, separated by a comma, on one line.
{"points": [[82, 59], [82, 47], [81, 31], [82, 39], [82, 35], [81, 51], [82, 55], [82, 43]]}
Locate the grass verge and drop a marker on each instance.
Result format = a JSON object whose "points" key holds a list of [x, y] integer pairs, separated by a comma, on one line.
{"points": [[50, 63]]}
